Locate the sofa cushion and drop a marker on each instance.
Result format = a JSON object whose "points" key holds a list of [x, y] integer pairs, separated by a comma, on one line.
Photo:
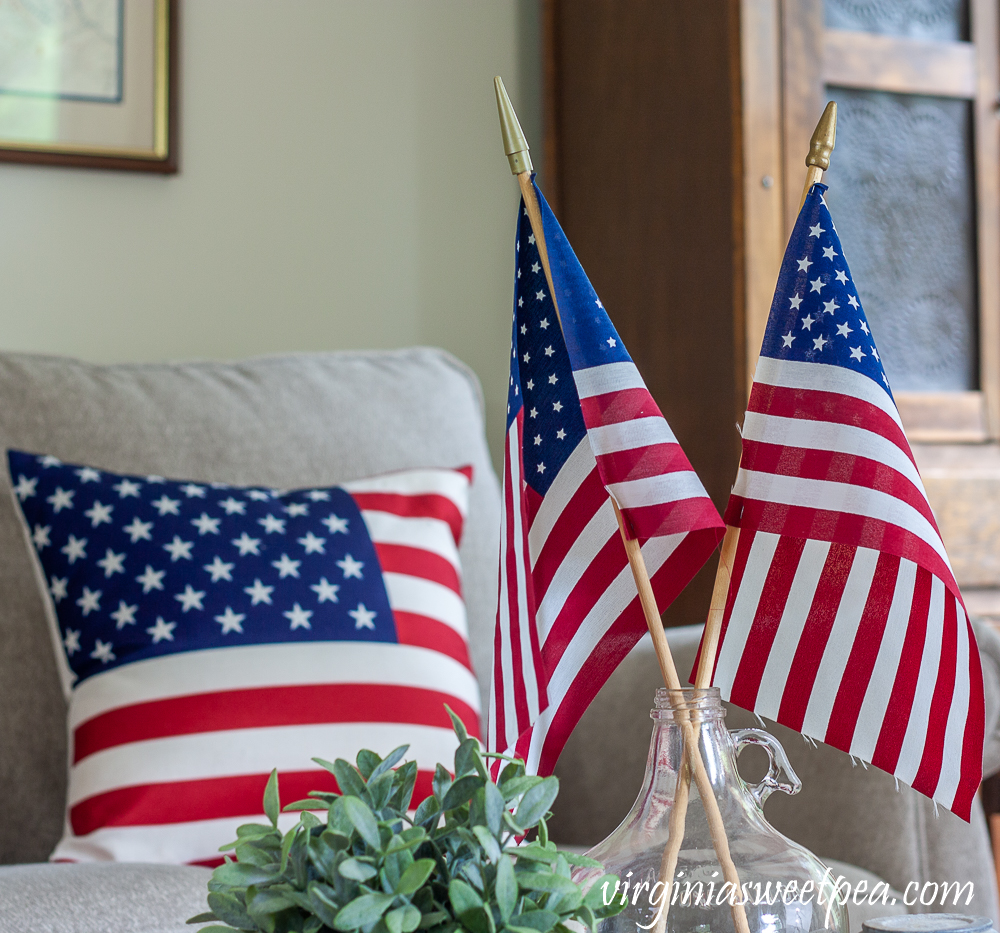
{"points": [[196, 659], [100, 898], [288, 421]]}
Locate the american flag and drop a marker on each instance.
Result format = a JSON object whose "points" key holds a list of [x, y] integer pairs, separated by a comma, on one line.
{"points": [[208, 633], [844, 620], [580, 425]]}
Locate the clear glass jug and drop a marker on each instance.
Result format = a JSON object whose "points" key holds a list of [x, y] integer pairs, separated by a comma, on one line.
{"points": [[727, 870]]}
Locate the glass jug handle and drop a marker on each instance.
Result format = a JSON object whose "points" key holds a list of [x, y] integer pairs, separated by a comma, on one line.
{"points": [[777, 763]]}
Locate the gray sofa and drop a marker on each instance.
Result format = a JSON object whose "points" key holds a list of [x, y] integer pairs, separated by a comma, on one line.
{"points": [[317, 419]]}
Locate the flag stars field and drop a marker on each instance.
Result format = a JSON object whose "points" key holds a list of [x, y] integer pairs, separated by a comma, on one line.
{"points": [[827, 317], [25, 487], [194, 553]]}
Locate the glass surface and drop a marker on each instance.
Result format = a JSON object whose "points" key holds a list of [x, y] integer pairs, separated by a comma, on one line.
{"points": [[944, 20], [681, 887], [902, 194]]}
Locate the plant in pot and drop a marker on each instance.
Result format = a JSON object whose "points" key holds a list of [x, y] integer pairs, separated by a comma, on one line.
{"points": [[455, 864]]}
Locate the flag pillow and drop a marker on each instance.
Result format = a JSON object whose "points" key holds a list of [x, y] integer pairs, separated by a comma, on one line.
{"points": [[208, 633]]}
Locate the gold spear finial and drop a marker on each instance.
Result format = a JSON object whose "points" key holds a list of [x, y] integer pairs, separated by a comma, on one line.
{"points": [[514, 143], [824, 138], [821, 145]]}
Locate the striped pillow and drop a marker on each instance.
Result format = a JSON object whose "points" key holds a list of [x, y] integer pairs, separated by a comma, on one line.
{"points": [[207, 633]]}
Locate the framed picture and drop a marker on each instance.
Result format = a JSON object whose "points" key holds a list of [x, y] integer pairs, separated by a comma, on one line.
{"points": [[89, 83]]}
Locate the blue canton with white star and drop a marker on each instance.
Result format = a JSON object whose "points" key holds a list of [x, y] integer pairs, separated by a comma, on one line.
{"points": [[140, 566], [816, 316], [544, 355]]}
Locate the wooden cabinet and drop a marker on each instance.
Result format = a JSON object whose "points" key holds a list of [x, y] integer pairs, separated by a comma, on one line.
{"points": [[676, 134]]}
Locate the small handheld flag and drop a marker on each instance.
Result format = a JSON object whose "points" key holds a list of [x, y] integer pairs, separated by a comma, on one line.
{"points": [[844, 620], [581, 428]]}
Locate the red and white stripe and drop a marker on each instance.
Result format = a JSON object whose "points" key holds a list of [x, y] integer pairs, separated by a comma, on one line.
{"points": [[640, 462], [169, 755], [844, 620], [565, 586]]}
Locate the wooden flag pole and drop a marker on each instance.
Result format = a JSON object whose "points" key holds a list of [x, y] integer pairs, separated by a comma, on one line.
{"points": [[817, 161], [516, 149], [821, 145]]}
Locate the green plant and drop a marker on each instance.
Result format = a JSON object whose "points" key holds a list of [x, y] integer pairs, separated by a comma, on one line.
{"points": [[454, 866]]}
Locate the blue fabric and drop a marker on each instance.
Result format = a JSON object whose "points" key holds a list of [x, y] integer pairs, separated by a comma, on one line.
{"points": [[816, 315], [140, 566]]}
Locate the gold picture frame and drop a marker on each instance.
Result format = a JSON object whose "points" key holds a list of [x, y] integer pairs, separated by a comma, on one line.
{"points": [[131, 123]]}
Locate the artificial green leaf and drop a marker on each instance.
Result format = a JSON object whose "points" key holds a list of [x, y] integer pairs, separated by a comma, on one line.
{"points": [[298, 857], [390, 761], [338, 821], [323, 903], [253, 830], [518, 785], [538, 921], [463, 897], [229, 909], [411, 918], [470, 870], [546, 881], [585, 915], [441, 781], [506, 888], [543, 832], [465, 757], [313, 925], [407, 839], [234, 874], [286, 848], [336, 841], [249, 854], [457, 724], [477, 808], [266, 902], [461, 790], [357, 870], [406, 779], [307, 804], [510, 771], [536, 802], [321, 853], [535, 853], [202, 918], [561, 866], [427, 811], [486, 839], [396, 862], [415, 876], [566, 901], [393, 920], [598, 895], [368, 761], [512, 824], [494, 806], [580, 861], [363, 820], [432, 919], [362, 911], [272, 806], [349, 779], [380, 790]]}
